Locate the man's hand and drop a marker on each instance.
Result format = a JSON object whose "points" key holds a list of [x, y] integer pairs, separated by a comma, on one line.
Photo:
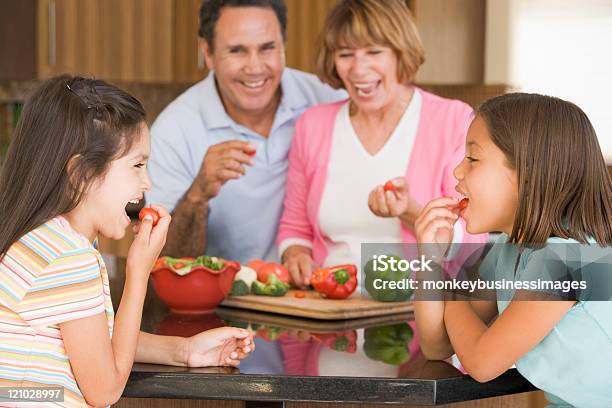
{"points": [[223, 162]]}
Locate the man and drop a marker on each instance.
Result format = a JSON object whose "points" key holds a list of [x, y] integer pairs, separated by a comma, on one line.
{"points": [[219, 151]]}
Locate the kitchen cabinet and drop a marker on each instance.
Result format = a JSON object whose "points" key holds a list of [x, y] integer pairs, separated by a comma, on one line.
{"points": [[110, 39], [156, 41], [68, 37], [17, 39], [189, 66], [453, 34]]}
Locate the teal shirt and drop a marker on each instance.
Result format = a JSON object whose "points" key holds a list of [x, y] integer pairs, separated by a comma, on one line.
{"points": [[573, 363]]}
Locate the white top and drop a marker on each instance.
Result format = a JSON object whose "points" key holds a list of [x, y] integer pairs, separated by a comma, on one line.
{"points": [[353, 173], [344, 216]]}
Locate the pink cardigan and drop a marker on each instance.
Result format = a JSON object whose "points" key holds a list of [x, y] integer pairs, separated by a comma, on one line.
{"points": [[438, 147]]}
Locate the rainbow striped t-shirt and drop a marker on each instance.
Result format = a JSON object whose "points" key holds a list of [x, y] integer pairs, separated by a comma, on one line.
{"points": [[49, 276]]}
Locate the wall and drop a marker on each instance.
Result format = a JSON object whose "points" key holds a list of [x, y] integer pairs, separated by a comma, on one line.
{"points": [[555, 47]]}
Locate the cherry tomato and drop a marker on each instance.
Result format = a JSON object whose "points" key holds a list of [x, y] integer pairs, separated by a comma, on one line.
{"points": [[251, 153], [255, 264], [150, 211], [463, 204], [389, 186], [272, 268], [299, 294]]}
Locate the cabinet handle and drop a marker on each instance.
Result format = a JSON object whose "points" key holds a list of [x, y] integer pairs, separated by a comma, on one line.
{"points": [[52, 34]]}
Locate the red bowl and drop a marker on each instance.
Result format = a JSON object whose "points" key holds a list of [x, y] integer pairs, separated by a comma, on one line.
{"points": [[198, 292]]}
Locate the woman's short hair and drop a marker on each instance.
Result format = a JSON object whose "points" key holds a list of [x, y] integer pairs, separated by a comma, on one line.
{"points": [[361, 23]]}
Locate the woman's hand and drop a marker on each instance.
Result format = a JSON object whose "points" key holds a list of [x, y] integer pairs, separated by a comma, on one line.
{"points": [[148, 243], [298, 261], [223, 346], [394, 201]]}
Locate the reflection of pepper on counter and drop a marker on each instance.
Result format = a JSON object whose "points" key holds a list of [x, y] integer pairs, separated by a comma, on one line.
{"points": [[271, 333], [336, 282], [388, 344], [339, 341]]}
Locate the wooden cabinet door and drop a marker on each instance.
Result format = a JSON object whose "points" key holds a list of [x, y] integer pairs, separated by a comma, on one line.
{"points": [[453, 34], [68, 37], [115, 40], [305, 21], [136, 44], [189, 65]]}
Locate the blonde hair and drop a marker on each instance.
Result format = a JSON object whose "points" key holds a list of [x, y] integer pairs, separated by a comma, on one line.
{"points": [[360, 23]]}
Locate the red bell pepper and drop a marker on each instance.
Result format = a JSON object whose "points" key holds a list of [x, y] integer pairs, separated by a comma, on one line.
{"points": [[337, 282]]}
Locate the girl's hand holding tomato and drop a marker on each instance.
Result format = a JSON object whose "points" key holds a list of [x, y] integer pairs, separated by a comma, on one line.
{"points": [[434, 227], [148, 242], [149, 211], [393, 199]]}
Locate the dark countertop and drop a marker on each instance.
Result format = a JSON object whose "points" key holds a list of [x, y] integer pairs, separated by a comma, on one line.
{"points": [[375, 360]]}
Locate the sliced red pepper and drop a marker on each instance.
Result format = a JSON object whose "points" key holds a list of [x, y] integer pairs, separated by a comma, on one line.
{"points": [[337, 282], [299, 294]]}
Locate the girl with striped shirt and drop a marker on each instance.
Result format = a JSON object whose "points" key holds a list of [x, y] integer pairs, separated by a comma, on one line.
{"points": [[78, 156]]}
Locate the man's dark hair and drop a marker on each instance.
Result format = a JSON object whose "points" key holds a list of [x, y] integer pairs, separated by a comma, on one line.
{"points": [[210, 10]]}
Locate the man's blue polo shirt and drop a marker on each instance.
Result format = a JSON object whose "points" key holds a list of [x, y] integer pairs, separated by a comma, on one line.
{"points": [[244, 217]]}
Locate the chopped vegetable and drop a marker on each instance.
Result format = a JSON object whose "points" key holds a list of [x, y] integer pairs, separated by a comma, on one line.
{"points": [[273, 287], [271, 268], [243, 281], [256, 264], [182, 266]]}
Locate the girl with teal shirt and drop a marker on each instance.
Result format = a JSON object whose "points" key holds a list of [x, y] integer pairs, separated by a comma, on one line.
{"points": [[534, 171]]}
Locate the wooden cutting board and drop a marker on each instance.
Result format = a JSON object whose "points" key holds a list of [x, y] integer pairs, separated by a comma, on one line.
{"points": [[313, 306]]}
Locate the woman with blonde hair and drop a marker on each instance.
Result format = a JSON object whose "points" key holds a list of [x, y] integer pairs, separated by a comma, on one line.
{"points": [[362, 169]]}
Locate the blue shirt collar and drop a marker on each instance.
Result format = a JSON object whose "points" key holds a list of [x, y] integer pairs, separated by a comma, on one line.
{"points": [[213, 111]]}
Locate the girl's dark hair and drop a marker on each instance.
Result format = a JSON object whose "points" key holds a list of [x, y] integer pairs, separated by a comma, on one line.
{"points": [[70, 129], [564, 187]]}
